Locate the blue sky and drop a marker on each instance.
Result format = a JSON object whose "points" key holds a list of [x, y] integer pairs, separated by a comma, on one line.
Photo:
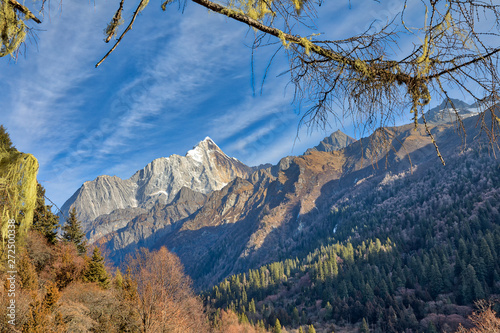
{"points": [[175, 79]]}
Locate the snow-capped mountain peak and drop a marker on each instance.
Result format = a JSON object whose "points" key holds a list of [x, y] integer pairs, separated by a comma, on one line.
{"points": [[203, 169], [448, 110]]}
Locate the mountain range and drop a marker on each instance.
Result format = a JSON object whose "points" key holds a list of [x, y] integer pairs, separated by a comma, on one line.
{"points": [[222, 217]]}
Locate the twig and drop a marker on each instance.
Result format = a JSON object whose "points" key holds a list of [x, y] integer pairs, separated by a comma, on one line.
{"points": [[129, 27]]}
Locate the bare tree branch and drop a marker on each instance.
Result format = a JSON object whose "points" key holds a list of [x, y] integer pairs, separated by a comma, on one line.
{"points": [[129, 27]]}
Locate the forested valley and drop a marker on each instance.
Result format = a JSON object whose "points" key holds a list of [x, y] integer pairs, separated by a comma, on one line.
{"points": [[409, 256]]}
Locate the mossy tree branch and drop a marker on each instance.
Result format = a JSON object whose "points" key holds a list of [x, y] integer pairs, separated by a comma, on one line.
{"points": [[23, 9]]}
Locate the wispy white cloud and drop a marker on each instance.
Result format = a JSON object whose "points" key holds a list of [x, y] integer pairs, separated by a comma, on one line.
{"points": [[176, 78], [169, 81], [262, 132], [250, 111], [45, 97], [169, 73], [285, 144]]}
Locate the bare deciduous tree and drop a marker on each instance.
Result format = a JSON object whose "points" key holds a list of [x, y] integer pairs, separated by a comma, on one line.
{"points": [[166, 302], [484, 319]]}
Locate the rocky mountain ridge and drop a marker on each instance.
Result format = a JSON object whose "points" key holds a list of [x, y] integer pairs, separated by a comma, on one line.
{"points": [[253, 221]]}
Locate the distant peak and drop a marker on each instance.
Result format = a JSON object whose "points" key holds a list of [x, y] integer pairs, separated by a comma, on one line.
{"points": [[338, 132], [336, 141], [202, 148], [207, 144], [449, 103]]}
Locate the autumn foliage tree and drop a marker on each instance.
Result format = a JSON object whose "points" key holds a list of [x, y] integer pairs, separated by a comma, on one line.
{"points": [[165, 300], [67, 266], [228, 322], [484, 319]]}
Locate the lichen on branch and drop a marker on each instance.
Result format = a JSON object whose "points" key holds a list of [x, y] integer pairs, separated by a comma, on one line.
{"points": [[13, 28]]}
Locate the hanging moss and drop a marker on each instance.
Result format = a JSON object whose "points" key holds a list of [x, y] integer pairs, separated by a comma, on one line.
{"points": [[17, 191], [282, 37], [12, 29], [255, 9], [298, 5], [307, 45]]}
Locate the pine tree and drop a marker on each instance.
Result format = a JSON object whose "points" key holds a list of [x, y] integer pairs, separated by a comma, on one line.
{"points": [[72, 232], [244, 319], [329, 311], [435, 280], [335, 268], [364, 327], [277, 327], [471, 287], [251, 306], [311, 329], [295, 316], [301, 330], [5, 142], [96, 272], [118, 280], [489, 261], [44, 220]]}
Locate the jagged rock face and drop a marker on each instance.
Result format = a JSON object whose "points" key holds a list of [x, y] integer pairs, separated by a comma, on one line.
{"points": [[204, 169], [144, 229], [336, 141], [101, 196], [107, 223]]}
